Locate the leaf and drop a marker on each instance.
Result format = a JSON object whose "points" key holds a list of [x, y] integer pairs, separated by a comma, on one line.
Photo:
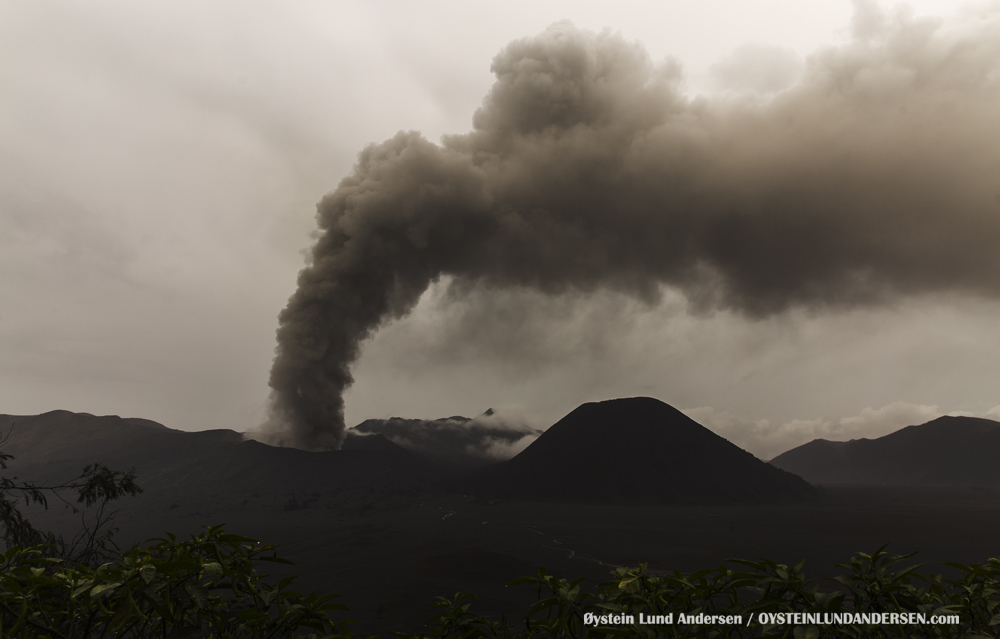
{"points": [[523, 580], [266, 596], [83, 587], [544, 604], [211, 572], [627, 580], [148, 573], [197, 594], [103, 588]]}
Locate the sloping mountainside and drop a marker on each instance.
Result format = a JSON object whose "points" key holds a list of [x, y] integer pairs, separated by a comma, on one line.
{"points": [[460, 440], [948, 451], [633, 451], [57, 445]]}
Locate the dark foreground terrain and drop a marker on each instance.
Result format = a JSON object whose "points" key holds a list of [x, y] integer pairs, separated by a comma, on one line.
{"points": [[376, 522], [390, 557]]}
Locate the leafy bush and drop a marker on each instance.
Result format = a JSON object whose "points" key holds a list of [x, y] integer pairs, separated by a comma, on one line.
{"points": [[870, 586], [209, 586]]}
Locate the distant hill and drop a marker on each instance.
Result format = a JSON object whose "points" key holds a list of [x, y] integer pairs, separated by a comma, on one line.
{"points": [[633, 451], [57, 445], [463, 441], [948, 451]]}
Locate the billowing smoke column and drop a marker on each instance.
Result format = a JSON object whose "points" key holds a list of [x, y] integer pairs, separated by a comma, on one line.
{"points": [[876, 175]]}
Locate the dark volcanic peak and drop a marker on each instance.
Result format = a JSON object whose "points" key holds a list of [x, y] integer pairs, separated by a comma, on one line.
{"points": [[462, 440], [637, 450], [948, 451]]}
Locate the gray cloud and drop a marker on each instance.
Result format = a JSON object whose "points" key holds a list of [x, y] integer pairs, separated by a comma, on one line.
{"points": [[496, 434], [757, 68], [873, 177]]}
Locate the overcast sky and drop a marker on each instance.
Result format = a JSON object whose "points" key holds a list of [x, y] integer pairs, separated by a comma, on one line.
{"points": [[160, 166]]}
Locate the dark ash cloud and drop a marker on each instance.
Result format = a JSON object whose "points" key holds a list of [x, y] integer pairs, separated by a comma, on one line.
{"points": [[873, 177]]}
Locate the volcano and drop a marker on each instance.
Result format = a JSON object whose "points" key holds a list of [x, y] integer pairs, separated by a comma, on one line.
{"points": [[634, 451], [948, 451]]}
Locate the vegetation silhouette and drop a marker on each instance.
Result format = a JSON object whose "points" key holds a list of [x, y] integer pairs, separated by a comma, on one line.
{"points": [[209, 586], [95, 487]]}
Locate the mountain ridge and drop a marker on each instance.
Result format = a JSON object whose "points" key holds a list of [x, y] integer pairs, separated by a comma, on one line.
{"points": [[57, 444], [947, 451]]}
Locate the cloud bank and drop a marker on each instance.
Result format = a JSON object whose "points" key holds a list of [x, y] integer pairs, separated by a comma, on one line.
{"points": [[872, 177], [492, 436]]}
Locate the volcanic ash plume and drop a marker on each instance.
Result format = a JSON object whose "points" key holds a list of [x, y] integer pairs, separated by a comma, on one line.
{"points": [[875, 175]]}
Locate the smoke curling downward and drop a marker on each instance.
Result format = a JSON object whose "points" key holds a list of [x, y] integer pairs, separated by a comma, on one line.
{"points": [[874, 176]]}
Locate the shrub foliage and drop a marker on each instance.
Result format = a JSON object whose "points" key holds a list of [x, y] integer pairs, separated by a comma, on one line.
{"points": [[209, 586], [870, 585]]}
